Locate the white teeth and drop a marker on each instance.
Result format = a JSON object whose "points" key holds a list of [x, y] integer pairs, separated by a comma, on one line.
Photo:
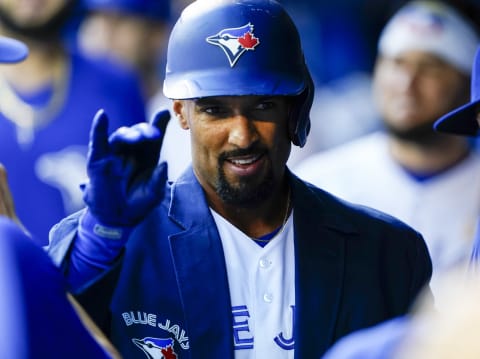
{"points": [[244, 161]]}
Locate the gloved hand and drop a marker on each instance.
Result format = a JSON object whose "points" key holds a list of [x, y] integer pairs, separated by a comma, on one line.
{"points": [[125, 182]]}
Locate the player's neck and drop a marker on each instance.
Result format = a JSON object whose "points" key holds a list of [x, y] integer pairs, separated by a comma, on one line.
{"points": [[432, 158], [258, 220], [38, 69], [29, 78]]}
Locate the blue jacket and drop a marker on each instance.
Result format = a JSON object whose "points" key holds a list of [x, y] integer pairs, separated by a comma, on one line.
{"points": [[354, 267]]}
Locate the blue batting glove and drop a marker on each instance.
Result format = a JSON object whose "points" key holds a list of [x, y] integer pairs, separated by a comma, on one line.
{"points": [[125, 180]]}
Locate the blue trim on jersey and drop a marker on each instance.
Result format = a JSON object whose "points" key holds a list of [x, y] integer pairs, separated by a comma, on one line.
{"points": [[265, 239]]}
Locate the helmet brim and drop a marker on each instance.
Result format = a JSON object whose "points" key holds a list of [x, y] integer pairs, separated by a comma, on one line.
{"points": [[11, 50], [462, 121], [240, 83]]}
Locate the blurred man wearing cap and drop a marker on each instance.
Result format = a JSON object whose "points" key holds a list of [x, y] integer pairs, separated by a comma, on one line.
{"points": [[450, 328], [45, 104], [425, 55], [35, 308]]}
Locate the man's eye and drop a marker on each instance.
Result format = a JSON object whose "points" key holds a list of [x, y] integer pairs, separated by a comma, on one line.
{"points": [[213, 110], [264, 105]]}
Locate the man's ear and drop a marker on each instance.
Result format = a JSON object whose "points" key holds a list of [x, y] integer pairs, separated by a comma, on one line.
{"points": [[179, 109]]}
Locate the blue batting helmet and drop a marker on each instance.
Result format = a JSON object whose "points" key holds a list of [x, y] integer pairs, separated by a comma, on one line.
{"points": [[237, 48], [155, 9]]}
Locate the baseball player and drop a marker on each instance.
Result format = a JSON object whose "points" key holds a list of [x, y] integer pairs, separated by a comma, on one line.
{"points": [[238, 258], [450, 328], [133, 32], [406, 169], [38, 320], [43, 104]]}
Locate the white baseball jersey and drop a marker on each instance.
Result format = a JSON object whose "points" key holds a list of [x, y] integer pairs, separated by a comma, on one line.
{"points": [[443, 208], [262, 291]]}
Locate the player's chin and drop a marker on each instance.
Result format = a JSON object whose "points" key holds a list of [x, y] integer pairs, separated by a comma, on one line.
{"points": [[245, 190], [246, 194]]}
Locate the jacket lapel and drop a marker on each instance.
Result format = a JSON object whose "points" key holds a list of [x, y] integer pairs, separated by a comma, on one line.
{"points": [[320, 236], [203, 282], [201, 273]]}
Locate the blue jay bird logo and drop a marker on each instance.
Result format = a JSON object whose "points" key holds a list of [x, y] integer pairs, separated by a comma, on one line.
{"points": [[235, 41], [156, 348], [422, 21]]}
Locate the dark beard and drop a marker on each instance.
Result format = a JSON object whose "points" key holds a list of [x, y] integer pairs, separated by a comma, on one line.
{"points": [[423, 134], [50, 30], [248, 193]]}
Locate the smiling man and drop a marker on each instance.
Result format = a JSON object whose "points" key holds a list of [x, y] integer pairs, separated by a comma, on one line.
{"points": [[240, 146], [238, 258], [406, 169]]}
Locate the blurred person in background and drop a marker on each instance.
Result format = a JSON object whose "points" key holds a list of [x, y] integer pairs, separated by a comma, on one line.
{"points": [[408, 170], [40, 318], [339, 40], [445, 329], [35, 306], [134, 32], [45, 106]]}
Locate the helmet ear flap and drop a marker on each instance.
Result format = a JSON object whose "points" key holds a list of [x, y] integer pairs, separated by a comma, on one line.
{"points": [[299, 122]]}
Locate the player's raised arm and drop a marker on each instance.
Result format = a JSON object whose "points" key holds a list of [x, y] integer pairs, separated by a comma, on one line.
{"points": [[124, 183]]}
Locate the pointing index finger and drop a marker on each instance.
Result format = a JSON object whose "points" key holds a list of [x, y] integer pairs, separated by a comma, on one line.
{"points": [[98, 146]]}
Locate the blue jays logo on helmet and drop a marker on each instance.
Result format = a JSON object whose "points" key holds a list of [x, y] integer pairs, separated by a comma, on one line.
{"points": [[235, 41], [156, 348]]}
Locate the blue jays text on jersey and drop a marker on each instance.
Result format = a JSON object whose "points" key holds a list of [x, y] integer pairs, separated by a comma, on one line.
{"points": [[243, 338], [142, 318]]}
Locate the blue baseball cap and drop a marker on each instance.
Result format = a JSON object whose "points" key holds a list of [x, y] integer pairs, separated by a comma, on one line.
{"points": [[463, 120], [431, 27], [12, 50], [154, 9]]}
